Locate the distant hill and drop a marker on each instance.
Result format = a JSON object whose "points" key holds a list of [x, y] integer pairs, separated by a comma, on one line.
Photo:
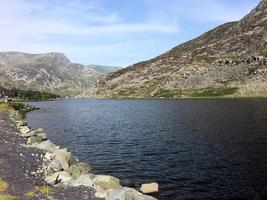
{"points": [[104, 69], [230, 60], [51, 72]]}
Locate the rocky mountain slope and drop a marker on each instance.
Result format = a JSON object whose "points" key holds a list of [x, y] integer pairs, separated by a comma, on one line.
{"points": [[228, 60], [51, 72]]}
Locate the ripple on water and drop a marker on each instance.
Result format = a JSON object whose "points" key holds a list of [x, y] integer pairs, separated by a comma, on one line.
{"points": [[195, 149]]}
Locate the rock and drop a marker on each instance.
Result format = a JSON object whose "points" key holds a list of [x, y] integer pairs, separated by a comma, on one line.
{"points": [[84, 167], [21, 123], [33, 133], [106, 182], [100, 192], [24, 129], [31, 140], [41, 137], [149, 188], [74, 171], [46, 145], [83, 180], [126, 193], [48, 156], [71, 159], [63, 177], [132, 194], [36, 139], [63, 156], [55, 165]]}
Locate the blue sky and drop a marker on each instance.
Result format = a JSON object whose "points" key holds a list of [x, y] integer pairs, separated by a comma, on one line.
{"points": [[111, 32]]}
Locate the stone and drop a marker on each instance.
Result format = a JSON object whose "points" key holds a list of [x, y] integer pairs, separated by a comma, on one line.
{"points": [[24, 129], [74, 171], [63, 156], [71, 159], [149, 188], [126, 193], [48, 156], [100, 192], [132, 194], [46, 145], [33, 133], [106, 182], [31, 140], [21, 123], [55, 165], [41, 137], [84, 167], [63, 177], [83, 180]]}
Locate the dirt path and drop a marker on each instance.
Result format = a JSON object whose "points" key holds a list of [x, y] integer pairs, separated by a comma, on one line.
{"points": [[18, 170]]}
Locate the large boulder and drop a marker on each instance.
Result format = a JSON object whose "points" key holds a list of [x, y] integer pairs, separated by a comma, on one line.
{"points": [[46, 145], [83, 180], [149, 188], [21, 123], [106, 182], [74, 171], [33, 133], [126, 193], [55, 165], [31, 140], [59, 177], [37, 139], [24, 129], [84, 167], [63, 156]]}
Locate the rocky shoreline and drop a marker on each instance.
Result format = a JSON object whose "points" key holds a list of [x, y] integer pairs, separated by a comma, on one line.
{"points": [[59, 168]]}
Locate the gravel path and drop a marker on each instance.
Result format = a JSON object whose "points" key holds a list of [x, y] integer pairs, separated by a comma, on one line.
{"points": [[18, 170]]}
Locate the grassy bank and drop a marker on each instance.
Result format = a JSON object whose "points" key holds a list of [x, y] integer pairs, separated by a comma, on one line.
{"points": [[27, 95]]}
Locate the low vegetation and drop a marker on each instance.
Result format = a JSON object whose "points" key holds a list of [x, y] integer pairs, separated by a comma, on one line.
{"points": [[3, 185], [197, 93], [3, 191], [27, 95], [43, 190]]}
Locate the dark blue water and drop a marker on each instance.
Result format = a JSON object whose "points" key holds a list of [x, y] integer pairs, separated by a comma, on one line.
{"points": [[194, 149]]}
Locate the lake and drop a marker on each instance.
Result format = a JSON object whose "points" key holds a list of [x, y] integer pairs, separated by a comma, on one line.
{"points": [[194, 149]]}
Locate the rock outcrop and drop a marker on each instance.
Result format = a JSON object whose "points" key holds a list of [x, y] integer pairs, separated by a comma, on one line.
{"points": [[51, 72], [230, 60]]}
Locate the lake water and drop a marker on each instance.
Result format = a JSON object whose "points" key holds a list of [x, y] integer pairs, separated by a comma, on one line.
{"points": [[194, 149]]}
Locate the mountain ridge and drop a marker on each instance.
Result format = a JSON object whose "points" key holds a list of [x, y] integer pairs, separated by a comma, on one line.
{"points": [[231, 56], [51, 72]]}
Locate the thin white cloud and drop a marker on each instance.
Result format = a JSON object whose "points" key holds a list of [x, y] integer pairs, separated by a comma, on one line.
{"points": [[202, 10], [42, 26]]}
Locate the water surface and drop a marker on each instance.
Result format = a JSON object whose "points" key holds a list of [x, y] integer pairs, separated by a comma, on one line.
{"points": [[194, 149]]}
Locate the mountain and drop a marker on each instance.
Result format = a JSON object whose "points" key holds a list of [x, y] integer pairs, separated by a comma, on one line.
{"points": [[229, 60], [51, 72], [104, 69]]}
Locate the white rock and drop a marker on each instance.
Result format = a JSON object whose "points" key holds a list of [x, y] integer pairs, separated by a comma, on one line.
{"points": [[149, 188], [106, 182], [21, 123], [48, 156], [126, 193], [55, 165], [33, 133], [83, 180], [24, 129], [46, 145], [63, 156], [63, 177]]}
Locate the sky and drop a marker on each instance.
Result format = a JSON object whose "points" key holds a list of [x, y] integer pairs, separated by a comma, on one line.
{"points": [[111, 32]]}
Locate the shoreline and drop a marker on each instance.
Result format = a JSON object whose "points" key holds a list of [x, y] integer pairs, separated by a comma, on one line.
{"points": [[61, 169]]}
